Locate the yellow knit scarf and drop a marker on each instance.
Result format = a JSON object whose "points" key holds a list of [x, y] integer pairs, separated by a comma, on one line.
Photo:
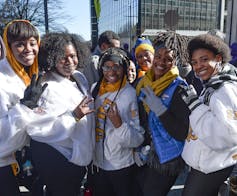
{"points": [[159, 85], [16, 66], [107, 87]]}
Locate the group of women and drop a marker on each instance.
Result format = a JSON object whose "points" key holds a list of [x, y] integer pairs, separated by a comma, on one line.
{"points": [[69, 126]]}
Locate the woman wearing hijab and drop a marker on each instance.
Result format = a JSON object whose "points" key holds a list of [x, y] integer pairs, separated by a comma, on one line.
{"points": [[21, 40]]}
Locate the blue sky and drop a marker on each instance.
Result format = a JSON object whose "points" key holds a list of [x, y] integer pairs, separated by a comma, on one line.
{"points": [[79, 11]]}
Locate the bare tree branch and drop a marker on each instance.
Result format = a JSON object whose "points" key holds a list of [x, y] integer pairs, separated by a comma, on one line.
{"points": [[33, 11]]}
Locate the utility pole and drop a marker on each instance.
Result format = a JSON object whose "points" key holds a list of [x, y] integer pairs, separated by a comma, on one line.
{"points": [[46, 18], [130, 28]]}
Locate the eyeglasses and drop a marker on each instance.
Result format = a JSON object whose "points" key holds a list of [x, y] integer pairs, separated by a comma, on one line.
{"points": [[115, 67]]}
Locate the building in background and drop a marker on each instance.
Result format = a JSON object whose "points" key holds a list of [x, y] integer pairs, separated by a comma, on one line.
{"points": [[231, 24], [132, 18]]}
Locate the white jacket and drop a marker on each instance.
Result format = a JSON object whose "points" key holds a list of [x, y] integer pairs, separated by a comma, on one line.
{"points": [[212, 141], [116, 151], [52, 122], [12, 133]]}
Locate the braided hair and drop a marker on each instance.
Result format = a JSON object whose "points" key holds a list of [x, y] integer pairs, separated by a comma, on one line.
{"points": [[113, 51], [176, 42]]}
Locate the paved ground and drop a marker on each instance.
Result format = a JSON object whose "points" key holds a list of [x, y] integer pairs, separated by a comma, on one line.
{"points": [[176, 190]]}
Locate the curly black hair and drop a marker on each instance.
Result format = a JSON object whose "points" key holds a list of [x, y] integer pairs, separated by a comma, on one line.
{"points": [[176, 42], [52, 49], [212, 43]]}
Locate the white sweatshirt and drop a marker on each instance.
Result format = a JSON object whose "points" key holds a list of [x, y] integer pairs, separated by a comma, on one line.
{"points": [[115, 151], [12, 134], [212, 141], [52, 122]]}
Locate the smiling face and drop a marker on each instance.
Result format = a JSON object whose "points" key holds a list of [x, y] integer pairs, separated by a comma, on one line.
{"points": [[67, 65], [131, 72], [163, 62], [113, 72], [204, 63], [144, 59], [25, 51]]}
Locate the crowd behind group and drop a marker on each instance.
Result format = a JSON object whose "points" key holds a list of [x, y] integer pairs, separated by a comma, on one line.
{"points": [[129, 122]]}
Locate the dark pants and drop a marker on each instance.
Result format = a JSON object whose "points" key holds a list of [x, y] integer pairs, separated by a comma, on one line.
{"points": [[198, 183], [8, 182], [61, 177], [157, 184], [113, 183], [139, 180]]}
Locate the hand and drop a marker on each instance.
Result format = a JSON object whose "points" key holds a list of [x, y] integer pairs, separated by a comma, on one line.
{"points": [[138, 159], [190, 97], [33, 92], [114, 116], [141, 155], [154, 103], [83, 108], [207, 95]]}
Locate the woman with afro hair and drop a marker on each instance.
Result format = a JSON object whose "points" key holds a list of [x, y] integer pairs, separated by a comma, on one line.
{"points": [[61, 125], [211, 146]]}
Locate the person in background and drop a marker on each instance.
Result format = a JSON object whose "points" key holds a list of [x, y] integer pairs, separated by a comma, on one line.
{"points": [[144, 55], [126, 47], [106, 40], [211, 146], [17, 68], [160, 106], [233, 48], [131, 70], [132, 73], [117, 126]]}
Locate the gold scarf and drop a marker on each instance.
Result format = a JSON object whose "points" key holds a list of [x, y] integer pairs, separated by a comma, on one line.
{"points": [[159, 85], [107, 87], [16, 66]]}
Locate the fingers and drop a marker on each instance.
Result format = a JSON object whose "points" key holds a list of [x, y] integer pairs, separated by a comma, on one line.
{"points": [[44, 87], [82, 103], [89, 100], [39, 80], [113, 109], [149, 90], [86, 101], [33, 80]]}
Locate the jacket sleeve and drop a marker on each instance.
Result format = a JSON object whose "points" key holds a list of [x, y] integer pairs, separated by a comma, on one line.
{"points": [[216, 124], [130, 133], [51, 122], [176, 119], [12, 134]]}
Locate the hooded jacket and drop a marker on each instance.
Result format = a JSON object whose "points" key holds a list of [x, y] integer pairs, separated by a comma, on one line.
{"points": [[12, 134]]}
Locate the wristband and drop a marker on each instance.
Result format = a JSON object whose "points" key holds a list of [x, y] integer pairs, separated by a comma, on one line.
{"points": [[75, 116]]}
